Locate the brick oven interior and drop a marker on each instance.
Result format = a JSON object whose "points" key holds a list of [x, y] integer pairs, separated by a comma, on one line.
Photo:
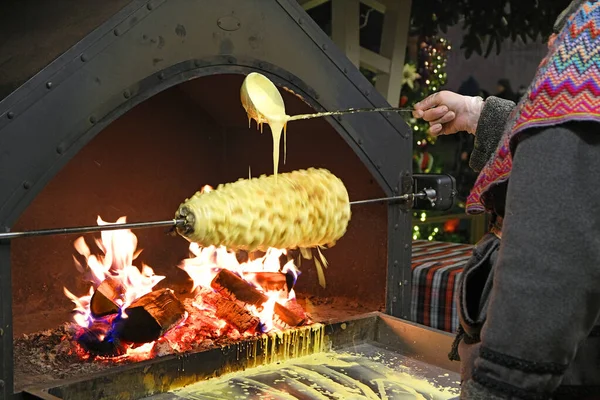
{"points": [[144, 164]]}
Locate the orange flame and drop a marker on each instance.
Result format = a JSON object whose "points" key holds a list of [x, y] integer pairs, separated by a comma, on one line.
{"points": [[119, 252], [206, 262]]}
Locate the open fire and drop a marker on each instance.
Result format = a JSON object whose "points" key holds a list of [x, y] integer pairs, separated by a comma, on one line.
{"points": [[124, 317]]}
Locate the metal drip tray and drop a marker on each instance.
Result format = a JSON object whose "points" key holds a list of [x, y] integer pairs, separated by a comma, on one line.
{"points": [[364, 371], [373, 356]]}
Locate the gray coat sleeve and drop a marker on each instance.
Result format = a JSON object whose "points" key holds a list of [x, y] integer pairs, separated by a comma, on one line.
{"points": [[545, 297], [490, 128]]}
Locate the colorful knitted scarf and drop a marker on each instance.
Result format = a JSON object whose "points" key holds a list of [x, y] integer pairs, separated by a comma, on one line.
{"points": [[565, 88]]}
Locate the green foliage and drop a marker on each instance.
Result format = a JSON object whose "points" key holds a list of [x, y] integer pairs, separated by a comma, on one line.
{"points": [[487, 23]]}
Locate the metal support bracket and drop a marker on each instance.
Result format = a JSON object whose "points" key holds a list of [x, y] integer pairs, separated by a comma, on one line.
{"points": [[398, 293], [406, 185]]}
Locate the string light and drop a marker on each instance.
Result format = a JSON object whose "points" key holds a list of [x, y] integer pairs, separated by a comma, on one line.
{"points": [[431, 65]]}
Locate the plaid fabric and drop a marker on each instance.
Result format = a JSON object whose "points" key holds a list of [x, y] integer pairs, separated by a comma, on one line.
{"points": [[436, 269]]}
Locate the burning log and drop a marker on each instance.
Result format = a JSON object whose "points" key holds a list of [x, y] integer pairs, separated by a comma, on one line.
{"points": [[97, 340], [275, 281], [150, 317], [232, 286], [287, 316], [242, 256], [230, 311], [104, 299]]}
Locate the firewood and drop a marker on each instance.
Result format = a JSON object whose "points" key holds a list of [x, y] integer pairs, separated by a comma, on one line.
{"points": [[287, 316], [149, 317], [242, 256], [104, 299], [231, 311], [269, 280], [296, 308], [98, 341], [232, 286], [290, 279]]}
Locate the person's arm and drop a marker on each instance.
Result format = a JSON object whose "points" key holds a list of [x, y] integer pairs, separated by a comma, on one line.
{"points": [[546, 291], [490, 127], [448, 113]]}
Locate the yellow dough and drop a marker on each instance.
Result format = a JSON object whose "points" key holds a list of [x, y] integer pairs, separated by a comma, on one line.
{"points": [[300, 209]]}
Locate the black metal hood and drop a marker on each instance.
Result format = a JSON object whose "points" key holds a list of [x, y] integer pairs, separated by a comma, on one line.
{"points": [[34, 33]]}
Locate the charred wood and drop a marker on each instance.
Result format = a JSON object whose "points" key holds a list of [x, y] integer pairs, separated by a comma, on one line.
{"points": [[290, 279], [287, 316], [231, 311], [242, 256], [296, 308], [293, 311], [232, 286], [150, 317], [270, 280], [98, 341], [105, 297]]}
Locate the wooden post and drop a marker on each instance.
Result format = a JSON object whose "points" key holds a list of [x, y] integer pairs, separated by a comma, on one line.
{"points": [[309, 4], [345, 21], [394, 40]]}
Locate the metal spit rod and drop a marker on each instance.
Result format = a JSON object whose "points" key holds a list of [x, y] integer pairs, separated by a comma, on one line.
{"points": [[142, 225], [88, 229]]}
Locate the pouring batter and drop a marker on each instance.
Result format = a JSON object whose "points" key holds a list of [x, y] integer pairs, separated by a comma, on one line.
{"points": [[263, 103]]}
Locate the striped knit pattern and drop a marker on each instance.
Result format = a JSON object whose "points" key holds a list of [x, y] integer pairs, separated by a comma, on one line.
{"points": [[565, 88], [436, 270]]}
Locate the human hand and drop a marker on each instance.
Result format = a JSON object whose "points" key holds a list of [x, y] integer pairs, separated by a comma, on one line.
{"points": [[448, 112]]}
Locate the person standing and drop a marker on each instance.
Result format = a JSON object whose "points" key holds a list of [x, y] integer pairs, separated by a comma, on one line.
{"points": [[529, 298]]}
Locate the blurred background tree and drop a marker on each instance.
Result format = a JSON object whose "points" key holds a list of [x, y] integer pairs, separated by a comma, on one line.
{"points": [[487, 23]]}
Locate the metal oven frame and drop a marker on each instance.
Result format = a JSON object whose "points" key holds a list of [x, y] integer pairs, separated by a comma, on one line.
{"points": [[47, 120]]}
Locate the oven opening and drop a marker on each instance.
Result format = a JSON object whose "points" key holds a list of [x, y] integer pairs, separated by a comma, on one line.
{"points": [[84, 304]]}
